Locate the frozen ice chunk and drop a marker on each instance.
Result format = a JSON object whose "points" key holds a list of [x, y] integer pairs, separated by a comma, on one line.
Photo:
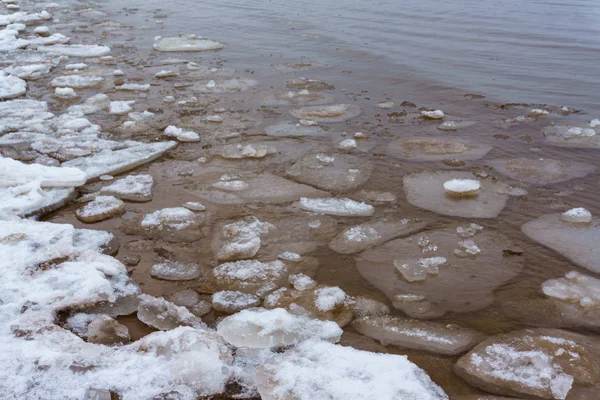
{"points": [[330, 171], [584, 136], [65, 93], [434, 149], [359, 237], [251, 276], [118, 161], [121, 107], [426, 190], [77, 50], [132, 188], [186, 43], [293, 129], [302, 282], [340, 207], [316, 370], [194, 206], [576, 241], [460, 188], [419, 269], [262, 187], [239, 151], [173, 217], [436, 114], [175, 271], [322, 302], [541, 171], [29, 72], [577, 215], [99, 209], [329, 113], [229, 302], [540, 363], [329, 298], [462, 284], [13, 172], [134, 87], [164, 315], [181, 135], [574, 288], [105, 330], [77, 81], [240, 239], [434, 337], [260, 328], [11, 86]]}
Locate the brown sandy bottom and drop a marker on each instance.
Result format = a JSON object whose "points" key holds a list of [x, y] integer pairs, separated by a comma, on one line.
{"points": [[257, 156]]}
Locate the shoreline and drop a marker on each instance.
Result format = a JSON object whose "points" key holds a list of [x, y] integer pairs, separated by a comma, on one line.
{"points": [[252, 177]]}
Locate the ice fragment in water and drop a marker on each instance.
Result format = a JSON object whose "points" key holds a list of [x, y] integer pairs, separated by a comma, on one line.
{"points": [[469, 231], [462, 187], [174, 217], [317, 370], [240, 239], [164, 315], [77, 50], [290, 256], [302, 282], [77, 81], [576, 241], [576, 288], [437, 114], [65, 93], [131, 188], [99, 209], [340, 207], [435, 337], [467, 247], [419, 269], [183, 43], [260, 328], [329, 113], [11, 86], [434, 149], [348, 144], [577, 215], [540, 363], [230, 302], [175, 271], [121, 107], [541, 171], [251, 276], [426, 190]]}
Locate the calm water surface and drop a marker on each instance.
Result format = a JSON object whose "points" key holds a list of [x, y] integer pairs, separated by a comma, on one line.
{"points": [[519, 51]]}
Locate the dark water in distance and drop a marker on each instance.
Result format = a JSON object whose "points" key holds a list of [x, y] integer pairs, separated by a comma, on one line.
{"points": [[539, 51]]}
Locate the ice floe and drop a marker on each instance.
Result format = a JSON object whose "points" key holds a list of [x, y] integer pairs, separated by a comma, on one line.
{"points": [[186, 43], [461, 282], [250, 187], [540, 363], [318, 369], [136, 188], [11, 86], [427, 190], [371, 234], [175, 271], [435, 337], [77, 50], [230, 302], [260, 328], [251, 276], [434, 149], [330, 171], [339, 207], [575, 240], [330, 113], [541, 171], [99, 209]]}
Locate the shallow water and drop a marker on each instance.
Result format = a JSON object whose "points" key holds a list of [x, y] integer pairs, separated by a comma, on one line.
{"points": [[433, 55], [529, 52]]}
